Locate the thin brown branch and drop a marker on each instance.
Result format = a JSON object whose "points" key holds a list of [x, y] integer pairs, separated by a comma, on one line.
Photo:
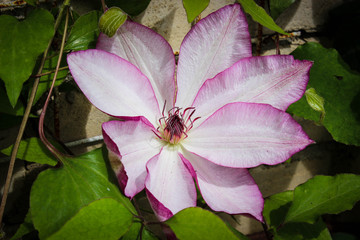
{"points": [[50, 72], [103, 5], [43, 138], [277, 44], [25, 119], [259, 34]]}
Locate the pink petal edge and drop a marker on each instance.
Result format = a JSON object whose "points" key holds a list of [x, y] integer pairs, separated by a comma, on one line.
{"points": [[135, 144], [112, 84], [245, 135], [170, 183], [214, 44], [149, 52], [276, 80], [229, 190]]}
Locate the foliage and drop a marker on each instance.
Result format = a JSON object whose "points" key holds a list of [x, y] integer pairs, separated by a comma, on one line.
{"points": [[297, 214], [21, 44], [339, 86], [278, 6], [33, 150], [111, 20], [84, 33], [78, 197], [80, 182], [197, 223], [259, 15], [193, 8]]}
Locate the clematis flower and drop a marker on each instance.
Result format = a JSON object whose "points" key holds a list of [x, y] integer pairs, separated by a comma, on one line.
{"points": [[224, 113]]}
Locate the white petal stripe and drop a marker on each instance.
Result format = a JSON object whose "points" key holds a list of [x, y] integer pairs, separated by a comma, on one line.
{"points": [[231, 190], [113, 85], [275, 80], [212, 45], [245, 135], [169, 181]]}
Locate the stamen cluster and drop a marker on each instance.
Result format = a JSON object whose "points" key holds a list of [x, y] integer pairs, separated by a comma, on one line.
{"points": [[176, 125]]}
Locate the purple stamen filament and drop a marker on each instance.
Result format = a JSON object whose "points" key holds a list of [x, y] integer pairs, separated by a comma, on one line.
{"points": [[174, 128]]}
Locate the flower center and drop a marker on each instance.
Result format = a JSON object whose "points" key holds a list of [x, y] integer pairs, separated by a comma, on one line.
{"points": [[176, 125]]}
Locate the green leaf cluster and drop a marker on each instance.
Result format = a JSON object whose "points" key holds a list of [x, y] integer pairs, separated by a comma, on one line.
{"points": [[297, 214], [78, 201], [340, 89], [21, 43]]}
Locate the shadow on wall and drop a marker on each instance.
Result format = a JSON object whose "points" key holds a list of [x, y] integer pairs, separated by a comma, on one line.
{"points": [[341, 27], [77, 119], [162, 19]]}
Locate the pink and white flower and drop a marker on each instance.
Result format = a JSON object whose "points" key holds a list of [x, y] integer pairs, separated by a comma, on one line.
{"points": [[224, 113]]}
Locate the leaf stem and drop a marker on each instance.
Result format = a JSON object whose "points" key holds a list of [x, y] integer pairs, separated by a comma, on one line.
{"points": [[259, 33], [26, 117], [103, 5], [43, 138], [277, 44], [50, 72], [268, 237]]}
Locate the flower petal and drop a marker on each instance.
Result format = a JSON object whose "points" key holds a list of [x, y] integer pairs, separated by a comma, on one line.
{"points": [[212, 45], [135, 143], [245, 135], [275, 80], [113, 84], [230, 190], [148, 51], [170, 183]]}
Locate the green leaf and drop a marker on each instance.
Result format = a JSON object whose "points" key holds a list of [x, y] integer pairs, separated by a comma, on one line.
{"points": [[324, 195], [134, 233], [111, 20], [25, 228], [278, 6], [5, 106], [340, 88], [33, 150], [57, 195], [102, 219], [197, 223], [303, 231], [21, 43], [276, 207], [84, 33], [133, 7], [315, 101], [259, 15], [238, 234], [193, 8]]}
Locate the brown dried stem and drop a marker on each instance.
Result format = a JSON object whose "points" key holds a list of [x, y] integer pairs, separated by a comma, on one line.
{"points": [[26, 117]]}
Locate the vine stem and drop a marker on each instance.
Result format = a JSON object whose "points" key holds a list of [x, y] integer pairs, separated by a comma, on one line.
{"points": [[50, 72], [43, 138], [259, 33], [103, 5], [26, 117], [277, 44]]}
